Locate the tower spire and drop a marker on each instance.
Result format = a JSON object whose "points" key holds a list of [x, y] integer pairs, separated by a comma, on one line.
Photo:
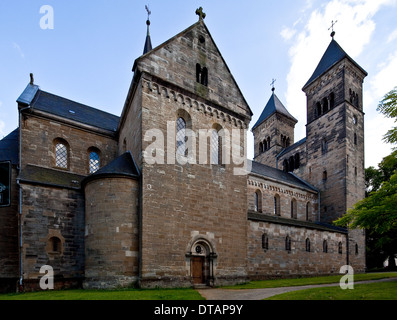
{"points": [[148, 42]]}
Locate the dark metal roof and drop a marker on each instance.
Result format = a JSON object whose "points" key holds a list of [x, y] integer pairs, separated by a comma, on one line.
{"points": [[295, 222], [332, 56], [124, 165], [273, 105], [9, 147], [75, 111], [279, 175]]}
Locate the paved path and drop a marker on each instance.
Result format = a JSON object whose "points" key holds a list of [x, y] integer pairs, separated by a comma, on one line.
{"points": [[259, 294]]}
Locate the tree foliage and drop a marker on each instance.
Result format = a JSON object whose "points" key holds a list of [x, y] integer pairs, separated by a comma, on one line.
{"points": [[388, 107], [377, 212]]}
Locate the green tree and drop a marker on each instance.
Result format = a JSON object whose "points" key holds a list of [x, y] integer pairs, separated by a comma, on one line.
{"points": [[375, 177], [377, 213], [388, 107]]}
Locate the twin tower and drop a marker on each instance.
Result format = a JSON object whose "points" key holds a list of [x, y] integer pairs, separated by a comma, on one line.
{"points": [[331, 156]]}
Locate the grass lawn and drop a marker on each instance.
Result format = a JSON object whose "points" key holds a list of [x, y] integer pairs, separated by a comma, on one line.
{"points": [[370, 291], [310, 280], [124, 294]]}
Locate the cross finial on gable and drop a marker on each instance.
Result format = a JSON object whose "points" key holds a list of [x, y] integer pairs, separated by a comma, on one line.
{"points": [[200, 13], [332, 27]]}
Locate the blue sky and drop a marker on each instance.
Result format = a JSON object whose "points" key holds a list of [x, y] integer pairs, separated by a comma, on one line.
{"points": [[88, 55]]}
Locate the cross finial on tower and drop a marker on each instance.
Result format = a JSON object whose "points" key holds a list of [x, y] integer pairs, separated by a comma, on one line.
{"points": [[200, 13], [332, 27], [272, 84]]}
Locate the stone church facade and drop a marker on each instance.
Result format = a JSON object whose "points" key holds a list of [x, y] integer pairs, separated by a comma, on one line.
{"points": [[159, 196]]}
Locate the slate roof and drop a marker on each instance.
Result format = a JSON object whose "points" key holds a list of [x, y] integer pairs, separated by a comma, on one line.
{"points": [[124, 165], [9, 147], [273, 105], [332, 56], [68, 109], [279, 175], [295, 222]]}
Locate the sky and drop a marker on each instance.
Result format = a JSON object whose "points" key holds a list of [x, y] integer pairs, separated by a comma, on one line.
{"points": [[85, 51]]}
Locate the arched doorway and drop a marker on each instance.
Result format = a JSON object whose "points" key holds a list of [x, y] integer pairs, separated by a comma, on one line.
{"points": [[202, 258]]}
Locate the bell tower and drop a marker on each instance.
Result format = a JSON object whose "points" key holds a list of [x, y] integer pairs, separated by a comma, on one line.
{"points": [[335, 131]]}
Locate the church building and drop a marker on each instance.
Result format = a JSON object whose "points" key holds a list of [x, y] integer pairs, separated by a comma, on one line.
{"points": [[164, 194]]}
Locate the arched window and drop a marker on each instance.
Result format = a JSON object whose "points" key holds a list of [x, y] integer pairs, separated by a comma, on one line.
{"points": [[264, 145], [93, 160], [287, 243], [55, 245], [291, 163], [307, 211], [258, 201], [297, 161], [332, 100], [198, 72], [204, 76], [340, 247], [268, 143], [318, 109], [181, 136], [356, 248], [325, 105], [285, 165], [61, 154], [265, 242], [201, 75], [277, 205], [293, 209], [307, 245], [124, 145], [325, 175], [216, 145], [261, 148], [355, 138], [325, 246]]}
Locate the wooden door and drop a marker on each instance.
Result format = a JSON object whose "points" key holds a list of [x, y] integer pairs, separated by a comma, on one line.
{"points": [[198, 270]]}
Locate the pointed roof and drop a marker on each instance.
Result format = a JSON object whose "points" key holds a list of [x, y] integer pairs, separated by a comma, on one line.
{"points": [[148, 42], [187, 30], [123, 166], [332, 56], [273, 105]]}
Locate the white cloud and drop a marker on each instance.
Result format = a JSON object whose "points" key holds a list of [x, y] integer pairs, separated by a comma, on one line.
{"points": [[354, 28], [19, 50], [392, 36], [287, 33]]}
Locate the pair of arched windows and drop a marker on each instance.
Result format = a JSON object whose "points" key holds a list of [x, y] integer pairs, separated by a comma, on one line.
{"points": [[326, 104], [285, 141], [62, 158], [201, 75], [265, 145], [182, 138], [292, 163]]}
